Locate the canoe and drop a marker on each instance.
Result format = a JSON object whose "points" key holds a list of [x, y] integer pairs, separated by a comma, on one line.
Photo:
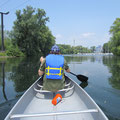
{"points": [[36, 104]]}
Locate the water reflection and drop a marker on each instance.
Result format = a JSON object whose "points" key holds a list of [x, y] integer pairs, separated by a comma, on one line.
{"points": [[16, 75], [6, 66], [3, 80], [76, 58], [83, 58], [25, 74], [113, 63]]}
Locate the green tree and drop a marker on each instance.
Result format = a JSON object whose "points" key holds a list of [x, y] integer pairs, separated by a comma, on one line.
{"points": [[92, 48], [7, 40], [115, 38], [105, 48], [30, 32], [67, 49]]}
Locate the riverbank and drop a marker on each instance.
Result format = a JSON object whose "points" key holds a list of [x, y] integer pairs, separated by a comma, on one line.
{"points": [[11, 53], [7, 56], [2, 54]]}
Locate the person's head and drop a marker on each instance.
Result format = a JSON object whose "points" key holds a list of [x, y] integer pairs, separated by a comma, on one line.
{"points": [[55, 50]]}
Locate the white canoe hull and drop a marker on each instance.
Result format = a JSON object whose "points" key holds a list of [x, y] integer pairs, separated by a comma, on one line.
{"points": [[75, 105]]}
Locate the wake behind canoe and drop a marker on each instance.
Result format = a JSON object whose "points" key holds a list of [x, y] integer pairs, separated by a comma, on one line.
{"points": [[36, 104]]}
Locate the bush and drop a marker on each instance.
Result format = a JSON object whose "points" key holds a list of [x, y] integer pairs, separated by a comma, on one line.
{"points": [[116, 50], [14, 51], [3, 54]]}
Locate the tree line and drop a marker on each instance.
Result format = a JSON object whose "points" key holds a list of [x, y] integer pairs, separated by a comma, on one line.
{"points": [[68, 49], [113, 45]]}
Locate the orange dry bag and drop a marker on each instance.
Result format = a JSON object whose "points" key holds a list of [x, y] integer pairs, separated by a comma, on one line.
{"points": [[56, 99]]}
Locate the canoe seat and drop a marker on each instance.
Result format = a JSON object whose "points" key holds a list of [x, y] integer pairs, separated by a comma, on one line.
{"points": [[62, 90], [68, 87]]}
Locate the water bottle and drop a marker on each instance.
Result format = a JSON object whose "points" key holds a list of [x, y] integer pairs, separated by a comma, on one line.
{"points": [[56, 99]]}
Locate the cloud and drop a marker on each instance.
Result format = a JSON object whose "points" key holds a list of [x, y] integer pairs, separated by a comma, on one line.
{"points": [[58, 36], [84, 36], [60, 39], [87, 35], [85, 39]]}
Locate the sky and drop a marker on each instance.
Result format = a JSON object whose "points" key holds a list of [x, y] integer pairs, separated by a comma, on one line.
{"points": [[72, 22]]}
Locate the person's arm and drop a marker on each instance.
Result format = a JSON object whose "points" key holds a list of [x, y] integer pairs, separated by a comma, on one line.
{"points": [[66, 66], [42, 67], [40, 73], [42, 59]]}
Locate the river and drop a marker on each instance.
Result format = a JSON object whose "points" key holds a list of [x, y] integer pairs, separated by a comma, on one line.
{"points": [[103, 71]]}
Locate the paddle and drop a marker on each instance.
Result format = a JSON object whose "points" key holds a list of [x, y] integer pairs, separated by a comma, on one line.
{"points": [[82, 78], [83, 84]]}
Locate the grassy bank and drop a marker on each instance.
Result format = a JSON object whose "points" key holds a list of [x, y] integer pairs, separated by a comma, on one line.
{"points": [[11, 53], [3, 54]]}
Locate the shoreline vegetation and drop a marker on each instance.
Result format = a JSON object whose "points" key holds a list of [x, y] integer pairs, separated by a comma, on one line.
{"points": [[82, 54], [64, 49], [31, 36]]}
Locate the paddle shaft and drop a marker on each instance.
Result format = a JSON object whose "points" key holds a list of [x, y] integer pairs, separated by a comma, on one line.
{"points": [[82, 78], [73, 73]]}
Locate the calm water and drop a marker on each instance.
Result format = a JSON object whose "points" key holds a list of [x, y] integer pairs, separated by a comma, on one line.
{"points": [[16, 75]]}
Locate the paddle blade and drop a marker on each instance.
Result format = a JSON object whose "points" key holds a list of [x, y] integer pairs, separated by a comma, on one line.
{"points": [[84, 84], [82, 78]]}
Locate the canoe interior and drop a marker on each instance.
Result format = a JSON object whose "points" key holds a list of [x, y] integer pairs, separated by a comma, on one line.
{"points": [[73, 100]]}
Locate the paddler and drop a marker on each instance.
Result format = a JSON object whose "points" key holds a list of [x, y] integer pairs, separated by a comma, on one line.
{"points": [[53, 67]]}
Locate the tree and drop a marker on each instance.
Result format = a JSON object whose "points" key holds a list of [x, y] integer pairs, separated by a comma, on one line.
{"points": [[115, 39], [67, 49], [92, 49], [105, 48], [30, 32], [7, 41]]}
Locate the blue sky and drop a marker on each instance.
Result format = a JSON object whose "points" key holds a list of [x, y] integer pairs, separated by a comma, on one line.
{"points": [[87, 22]]}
